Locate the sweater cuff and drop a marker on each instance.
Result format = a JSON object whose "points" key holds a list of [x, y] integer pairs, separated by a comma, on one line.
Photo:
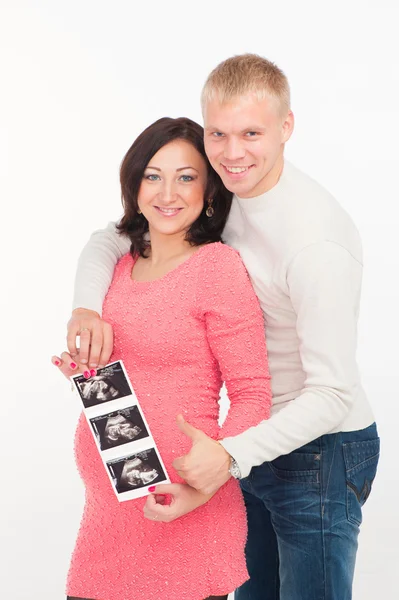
{"points": [[233, 446]]}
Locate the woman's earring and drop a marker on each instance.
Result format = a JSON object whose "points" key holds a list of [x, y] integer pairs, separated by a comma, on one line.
{"points": [[210, 211], [138, 211]]}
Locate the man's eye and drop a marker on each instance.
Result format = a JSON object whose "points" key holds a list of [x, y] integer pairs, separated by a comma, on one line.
{"points": [[186, 178], [217, 134], [251, 133]]}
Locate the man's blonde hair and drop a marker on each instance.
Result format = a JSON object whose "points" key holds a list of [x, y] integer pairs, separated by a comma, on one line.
{"points": [[243, 74]]}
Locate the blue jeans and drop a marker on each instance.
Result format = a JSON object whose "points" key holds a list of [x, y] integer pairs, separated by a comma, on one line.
{"points": [[304, 512]]}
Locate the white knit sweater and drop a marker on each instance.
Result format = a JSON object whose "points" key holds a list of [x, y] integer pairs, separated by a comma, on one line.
{"points": [[304, 257]]}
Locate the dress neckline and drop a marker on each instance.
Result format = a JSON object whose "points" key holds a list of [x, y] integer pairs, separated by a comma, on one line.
{"points": [[169, 274]]}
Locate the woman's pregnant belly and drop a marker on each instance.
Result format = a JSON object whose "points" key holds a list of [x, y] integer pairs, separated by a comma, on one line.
{"points": [[161, 402]]}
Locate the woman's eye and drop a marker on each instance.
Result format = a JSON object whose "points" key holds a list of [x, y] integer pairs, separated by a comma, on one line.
{"points": [[152, 177], [186, 178]]}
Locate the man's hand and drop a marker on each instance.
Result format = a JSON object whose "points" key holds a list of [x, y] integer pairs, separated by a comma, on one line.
{"points": [[171, 501], [206, 466], [96, 338]]}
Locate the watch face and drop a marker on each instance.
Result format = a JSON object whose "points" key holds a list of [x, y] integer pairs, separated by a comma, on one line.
{"points": [[235, 469]]}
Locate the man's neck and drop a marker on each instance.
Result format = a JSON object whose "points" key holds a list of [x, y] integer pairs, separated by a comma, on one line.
{"points": [[275, 174]]}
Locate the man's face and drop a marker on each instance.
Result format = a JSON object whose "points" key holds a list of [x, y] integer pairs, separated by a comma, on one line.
{"points": [[244, 141]]}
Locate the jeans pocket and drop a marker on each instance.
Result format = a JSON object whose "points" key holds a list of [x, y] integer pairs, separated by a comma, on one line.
{"points": [[361, 460], [297, 467]]}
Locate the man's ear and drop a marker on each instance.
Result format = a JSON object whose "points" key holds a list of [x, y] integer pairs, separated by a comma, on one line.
{"points": [[288, 126]]}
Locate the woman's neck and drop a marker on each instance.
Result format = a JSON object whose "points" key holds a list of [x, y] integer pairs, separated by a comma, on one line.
{"points": [[165, 248]]}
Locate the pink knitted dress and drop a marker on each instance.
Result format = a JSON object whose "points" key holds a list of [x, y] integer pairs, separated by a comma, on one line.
{"points": [[180, 337]]}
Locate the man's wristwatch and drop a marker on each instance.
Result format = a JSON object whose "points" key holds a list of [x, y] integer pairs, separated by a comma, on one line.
{"points": [[234, 469]]}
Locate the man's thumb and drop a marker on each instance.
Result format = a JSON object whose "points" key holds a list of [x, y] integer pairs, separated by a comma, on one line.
{"points": [[188, 429]]}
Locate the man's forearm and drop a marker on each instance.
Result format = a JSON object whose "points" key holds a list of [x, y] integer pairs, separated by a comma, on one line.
{"points": [[96, 267], [312, 414]]}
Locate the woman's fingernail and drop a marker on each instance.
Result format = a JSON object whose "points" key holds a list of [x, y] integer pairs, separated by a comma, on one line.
{"points": [[93, 372], [57, 363], [73, 365], [152, 488], [86, 374]]}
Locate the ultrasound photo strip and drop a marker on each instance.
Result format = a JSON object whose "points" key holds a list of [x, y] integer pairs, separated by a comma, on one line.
{"points": [[121, 432]]}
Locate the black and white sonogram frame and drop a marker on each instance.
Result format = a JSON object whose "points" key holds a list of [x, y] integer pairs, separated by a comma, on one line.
{"points": [[119, 427], [121, 432], [130, 474], [110, 383]]}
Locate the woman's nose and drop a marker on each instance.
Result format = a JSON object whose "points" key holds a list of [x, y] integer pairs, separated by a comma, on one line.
{"points": [[168, 194]]}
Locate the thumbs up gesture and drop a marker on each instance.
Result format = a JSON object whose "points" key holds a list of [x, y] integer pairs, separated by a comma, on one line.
{"points": [[206, 466]]}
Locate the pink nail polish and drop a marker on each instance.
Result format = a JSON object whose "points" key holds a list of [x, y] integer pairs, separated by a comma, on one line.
{"points": [[86, 374], [93, 372], [73, 365], [152, 488], [57, 363]]}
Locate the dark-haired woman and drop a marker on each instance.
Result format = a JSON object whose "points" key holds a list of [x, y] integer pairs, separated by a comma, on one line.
{"points": [[185, 319]]}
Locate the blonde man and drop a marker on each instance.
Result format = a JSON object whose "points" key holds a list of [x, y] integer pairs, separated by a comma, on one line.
{"points": [[307, 471]]}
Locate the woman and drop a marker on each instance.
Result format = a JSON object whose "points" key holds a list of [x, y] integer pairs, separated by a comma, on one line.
{"points": [[185, 319]]}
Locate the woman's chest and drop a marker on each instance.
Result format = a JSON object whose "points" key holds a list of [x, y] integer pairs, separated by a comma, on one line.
{"points": [[155, 323]]}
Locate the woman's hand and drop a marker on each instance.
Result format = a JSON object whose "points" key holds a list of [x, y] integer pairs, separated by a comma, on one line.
{"points": [[69, 366], [96, 338], [171, 501]]}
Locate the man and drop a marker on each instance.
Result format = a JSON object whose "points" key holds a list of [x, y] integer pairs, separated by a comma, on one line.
{"points": [[314, 460]]}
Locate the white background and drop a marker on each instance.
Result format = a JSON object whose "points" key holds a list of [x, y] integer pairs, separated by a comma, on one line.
{"points": [[79, 80]]}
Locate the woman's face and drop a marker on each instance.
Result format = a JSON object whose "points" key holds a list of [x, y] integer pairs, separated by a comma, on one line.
{"points": [[171, 195]]}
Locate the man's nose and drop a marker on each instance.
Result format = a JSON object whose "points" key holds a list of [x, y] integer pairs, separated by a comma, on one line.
{"points": [[233, 149]]}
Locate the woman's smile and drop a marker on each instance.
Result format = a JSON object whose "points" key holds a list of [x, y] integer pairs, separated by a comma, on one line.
{"points": [[168, 212]]}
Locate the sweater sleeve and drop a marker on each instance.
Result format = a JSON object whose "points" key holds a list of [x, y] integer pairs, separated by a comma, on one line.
{"points": [[324, 282], [236, 335], [96, 266]]}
